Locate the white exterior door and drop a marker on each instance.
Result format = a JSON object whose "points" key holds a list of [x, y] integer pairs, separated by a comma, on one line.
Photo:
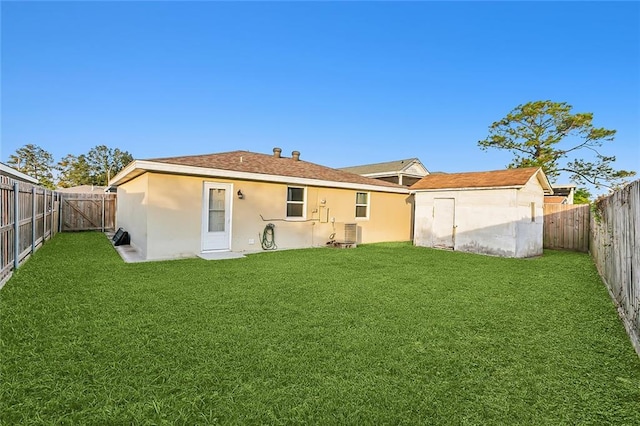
{"points": [[444, 214], [216, 216]]}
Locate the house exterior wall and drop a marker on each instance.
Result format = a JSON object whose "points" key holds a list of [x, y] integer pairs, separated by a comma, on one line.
{"points": [[496, 222], [131, 211], [174, 215], [530, 219]]}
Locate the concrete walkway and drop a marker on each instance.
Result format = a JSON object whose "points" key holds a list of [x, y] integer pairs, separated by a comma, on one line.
{"points": [[130, 254]]}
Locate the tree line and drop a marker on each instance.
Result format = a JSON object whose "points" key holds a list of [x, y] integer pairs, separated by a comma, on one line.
{"points": [[96, 167], [542, 134]]}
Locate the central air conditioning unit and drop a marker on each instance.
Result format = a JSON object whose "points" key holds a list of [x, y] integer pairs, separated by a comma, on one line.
{"points": [[351, 233], [350, 237]]}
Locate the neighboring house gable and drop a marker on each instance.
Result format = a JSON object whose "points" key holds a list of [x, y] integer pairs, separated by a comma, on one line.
{"points": [[566, 190], [403, 172], [183, 206], [497, 212]]}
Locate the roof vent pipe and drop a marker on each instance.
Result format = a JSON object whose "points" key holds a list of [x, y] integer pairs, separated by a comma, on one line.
{"points": [[296, 155], [277, 152]]}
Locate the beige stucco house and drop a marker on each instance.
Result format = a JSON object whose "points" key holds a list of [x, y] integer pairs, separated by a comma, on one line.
{"points": [[498, 213], [184, 206]]}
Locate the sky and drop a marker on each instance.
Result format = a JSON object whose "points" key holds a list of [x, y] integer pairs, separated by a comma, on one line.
{"points": [[344, 83]]}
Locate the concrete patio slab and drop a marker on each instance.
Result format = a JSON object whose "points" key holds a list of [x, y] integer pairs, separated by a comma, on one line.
{"points": [[220, 255]]}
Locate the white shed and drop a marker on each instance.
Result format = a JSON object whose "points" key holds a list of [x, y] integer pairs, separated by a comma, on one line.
{"points": [[498, 213]]}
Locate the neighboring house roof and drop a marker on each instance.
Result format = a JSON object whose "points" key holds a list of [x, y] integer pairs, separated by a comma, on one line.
{"points": [[253, 166], [565, 189], [16, 174], [411, 166], [555, 199], [83, 189], [508, 178]]}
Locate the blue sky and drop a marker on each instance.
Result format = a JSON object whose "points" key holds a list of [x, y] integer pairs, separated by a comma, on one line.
{"points": [[344, 83]]}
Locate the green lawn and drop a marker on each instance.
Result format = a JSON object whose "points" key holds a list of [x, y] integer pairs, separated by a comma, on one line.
{"points": [[382, 334]]}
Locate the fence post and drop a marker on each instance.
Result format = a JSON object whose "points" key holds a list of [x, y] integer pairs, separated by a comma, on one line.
{"points": [[44, 214], [44, 219], [51, 210], [33, 219], [16, 225], [103, 212], [60, 202]]}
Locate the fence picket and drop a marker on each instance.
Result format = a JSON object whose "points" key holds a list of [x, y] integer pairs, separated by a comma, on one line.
{"points": [[87, 212], [566, 226], [615, 234]]}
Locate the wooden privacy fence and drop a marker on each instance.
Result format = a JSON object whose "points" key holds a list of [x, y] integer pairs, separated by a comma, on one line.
{"points": [[616, 252], [566, 226], [28, 217], [87, 212]]}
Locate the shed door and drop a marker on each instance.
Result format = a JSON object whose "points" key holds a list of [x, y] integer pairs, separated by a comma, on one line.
{"points": [[216, 216], [444, 213]]}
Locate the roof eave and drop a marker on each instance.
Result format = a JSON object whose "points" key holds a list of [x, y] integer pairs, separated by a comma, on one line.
{"points": [[17, 174], [544, 182]]}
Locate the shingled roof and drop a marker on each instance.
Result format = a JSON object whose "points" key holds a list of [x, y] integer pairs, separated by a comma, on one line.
{"points": [[249, 165], [387, 167], [555, 199], [491, 179]]}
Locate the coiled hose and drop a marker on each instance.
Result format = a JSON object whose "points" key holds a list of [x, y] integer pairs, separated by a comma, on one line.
{"points": [[269, 237]]}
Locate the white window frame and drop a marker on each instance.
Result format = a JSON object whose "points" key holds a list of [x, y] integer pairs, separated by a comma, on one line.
{"points": [[368, 206], [303, 202]]}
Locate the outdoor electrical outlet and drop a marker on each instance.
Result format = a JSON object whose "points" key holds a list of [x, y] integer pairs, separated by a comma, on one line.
{"points": [[252, 241]]}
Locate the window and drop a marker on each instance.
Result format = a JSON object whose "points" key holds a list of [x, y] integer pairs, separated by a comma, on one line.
{"points": [[362, 205], [295, 202], [533, 212]]}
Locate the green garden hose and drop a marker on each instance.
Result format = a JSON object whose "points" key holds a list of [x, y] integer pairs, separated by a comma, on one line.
{"points": [[269, 237]]}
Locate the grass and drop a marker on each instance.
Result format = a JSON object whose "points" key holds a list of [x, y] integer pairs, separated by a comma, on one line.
{"points": [[385, 333]]}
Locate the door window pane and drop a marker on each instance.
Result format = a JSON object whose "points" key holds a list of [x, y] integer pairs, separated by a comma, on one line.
{"points": [[216, 210]]}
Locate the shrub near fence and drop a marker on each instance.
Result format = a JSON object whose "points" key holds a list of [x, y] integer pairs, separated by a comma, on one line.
{"points": [[28, 217], [615, 230]]}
